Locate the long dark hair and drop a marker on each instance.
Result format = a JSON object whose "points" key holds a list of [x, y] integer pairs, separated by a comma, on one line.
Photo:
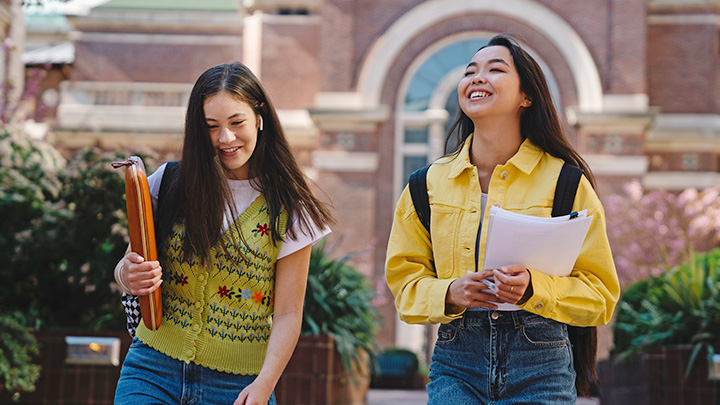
{"points": [[540, 123], [200, 193]]}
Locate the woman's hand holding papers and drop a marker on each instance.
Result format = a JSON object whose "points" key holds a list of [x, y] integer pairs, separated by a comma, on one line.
{"points": [[470, 291], [511, 283], [473, 289]]}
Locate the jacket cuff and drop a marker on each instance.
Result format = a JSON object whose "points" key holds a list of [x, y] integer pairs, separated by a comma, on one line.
{"points": [[440, 311], [542, 301]]}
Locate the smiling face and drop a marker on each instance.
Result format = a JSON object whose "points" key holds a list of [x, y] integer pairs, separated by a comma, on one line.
{"points": [[491, 86], [233, 128]]}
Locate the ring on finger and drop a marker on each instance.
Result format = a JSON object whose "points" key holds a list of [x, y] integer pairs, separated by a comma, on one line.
{"points": [[511, 288]]}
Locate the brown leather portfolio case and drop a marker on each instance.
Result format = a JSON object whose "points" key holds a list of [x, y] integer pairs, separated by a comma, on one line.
{"points": [[142, 231]]}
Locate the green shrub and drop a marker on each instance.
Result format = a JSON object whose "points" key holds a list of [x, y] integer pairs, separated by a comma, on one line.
{"points": [[64, 229], [338, 302], [18, 372], [680, 307]]}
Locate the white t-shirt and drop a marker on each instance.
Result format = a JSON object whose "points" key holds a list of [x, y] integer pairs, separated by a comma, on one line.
{"points": [[244, 195]]}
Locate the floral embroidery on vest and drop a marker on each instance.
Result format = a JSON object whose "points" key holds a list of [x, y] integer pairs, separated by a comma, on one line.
{"points": [[236, 295]]}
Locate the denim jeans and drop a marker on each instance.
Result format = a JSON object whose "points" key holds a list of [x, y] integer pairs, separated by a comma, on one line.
{"points": [[502, 357], [150, 377]]}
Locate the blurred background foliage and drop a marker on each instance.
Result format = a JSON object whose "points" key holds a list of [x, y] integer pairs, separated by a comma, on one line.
{"points": [[64, 229], [679, 307], [651, 231], [339, 302]]}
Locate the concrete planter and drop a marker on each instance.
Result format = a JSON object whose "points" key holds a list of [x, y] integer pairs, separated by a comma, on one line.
{"points": [[656, 376]]}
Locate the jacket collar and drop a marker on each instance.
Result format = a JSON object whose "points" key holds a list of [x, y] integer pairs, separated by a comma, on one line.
{"points": [[525, 160]]}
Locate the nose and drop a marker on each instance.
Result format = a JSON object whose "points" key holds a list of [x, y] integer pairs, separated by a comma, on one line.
{"points": [[226, 135], [478, 79]]}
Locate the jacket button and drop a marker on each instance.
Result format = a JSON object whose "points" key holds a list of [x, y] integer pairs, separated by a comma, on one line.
{"points": [[196, 328], [198, 304], [189, 352], [504, 175], [539, 306], [201, 277], [497, 204]]}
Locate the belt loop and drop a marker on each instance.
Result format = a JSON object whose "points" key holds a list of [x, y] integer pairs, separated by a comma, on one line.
{"points": [[517, 320], [461, 323]]}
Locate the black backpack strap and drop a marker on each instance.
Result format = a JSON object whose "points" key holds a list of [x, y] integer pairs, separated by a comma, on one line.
{"points": [[565, 189], [171, 171], [582, 340], [419, 195]]}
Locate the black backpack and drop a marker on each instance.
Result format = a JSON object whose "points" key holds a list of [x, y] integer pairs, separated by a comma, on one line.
{"points": [[582, 340]]}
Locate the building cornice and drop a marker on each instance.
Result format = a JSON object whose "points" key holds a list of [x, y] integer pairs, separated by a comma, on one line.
{"points": [[680, 180], [684, 19], [184, 22], [252, 5]]}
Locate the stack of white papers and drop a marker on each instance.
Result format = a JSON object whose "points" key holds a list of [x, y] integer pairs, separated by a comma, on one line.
{"points": [[548, 245]]}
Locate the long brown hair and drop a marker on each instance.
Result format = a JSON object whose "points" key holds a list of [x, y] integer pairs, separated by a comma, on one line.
{"points": [[540, 123], [200, 194]]}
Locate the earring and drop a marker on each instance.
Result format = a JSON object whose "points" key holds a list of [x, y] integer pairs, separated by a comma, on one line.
{"points": [[260, 126]]}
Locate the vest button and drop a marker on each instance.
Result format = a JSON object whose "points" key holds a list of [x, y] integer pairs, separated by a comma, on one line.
{"points": [[504, 175]]}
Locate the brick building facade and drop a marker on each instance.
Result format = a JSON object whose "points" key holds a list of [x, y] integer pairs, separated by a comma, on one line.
{"points": [[366, 88]]}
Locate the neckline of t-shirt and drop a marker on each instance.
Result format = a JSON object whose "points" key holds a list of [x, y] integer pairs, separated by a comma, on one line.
{"points": [[240, 184]]}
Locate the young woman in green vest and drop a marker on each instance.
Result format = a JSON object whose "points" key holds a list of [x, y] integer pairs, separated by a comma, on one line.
{"points": [[512, 347], [234, 235]]}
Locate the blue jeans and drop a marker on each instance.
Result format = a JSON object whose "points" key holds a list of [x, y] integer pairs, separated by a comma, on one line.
{"points": [[502, 357], [150, 377]]}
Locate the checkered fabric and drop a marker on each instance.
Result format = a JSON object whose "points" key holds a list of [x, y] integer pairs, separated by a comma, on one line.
{"points": [[132, 311]]}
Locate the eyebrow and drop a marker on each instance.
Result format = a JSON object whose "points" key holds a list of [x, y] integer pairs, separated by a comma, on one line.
{"points": [[494, 60], [230, 117]]}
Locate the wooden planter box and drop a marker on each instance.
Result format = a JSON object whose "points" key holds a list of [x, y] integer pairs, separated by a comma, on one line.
{"points": [[315, 376], [61, 383], [657, 377]]}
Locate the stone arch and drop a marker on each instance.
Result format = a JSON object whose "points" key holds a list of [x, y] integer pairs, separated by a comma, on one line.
{"points": [[540, 18]]}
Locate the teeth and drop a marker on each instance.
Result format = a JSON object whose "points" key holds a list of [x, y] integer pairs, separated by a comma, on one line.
{"points": [[479, 94], [231, 150]]}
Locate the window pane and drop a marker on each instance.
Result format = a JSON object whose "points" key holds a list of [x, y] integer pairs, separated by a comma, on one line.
{"points": [[412, 163], [416, 135], [425, 80]]}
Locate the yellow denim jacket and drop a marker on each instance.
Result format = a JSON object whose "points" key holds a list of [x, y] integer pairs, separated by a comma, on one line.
{"points": [[419, 273]]}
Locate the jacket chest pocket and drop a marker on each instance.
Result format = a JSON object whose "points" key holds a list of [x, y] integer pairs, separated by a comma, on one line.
{"points": [[453, 233]]}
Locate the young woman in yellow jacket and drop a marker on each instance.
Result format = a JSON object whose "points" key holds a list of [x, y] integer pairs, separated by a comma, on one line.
{"points": [[510, 150]]}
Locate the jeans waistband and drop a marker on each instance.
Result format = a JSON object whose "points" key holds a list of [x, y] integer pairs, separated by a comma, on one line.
{"points": [[515, 318]]}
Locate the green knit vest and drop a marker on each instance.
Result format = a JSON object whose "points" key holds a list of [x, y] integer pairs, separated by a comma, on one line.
{"points": [[220, 318]]}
